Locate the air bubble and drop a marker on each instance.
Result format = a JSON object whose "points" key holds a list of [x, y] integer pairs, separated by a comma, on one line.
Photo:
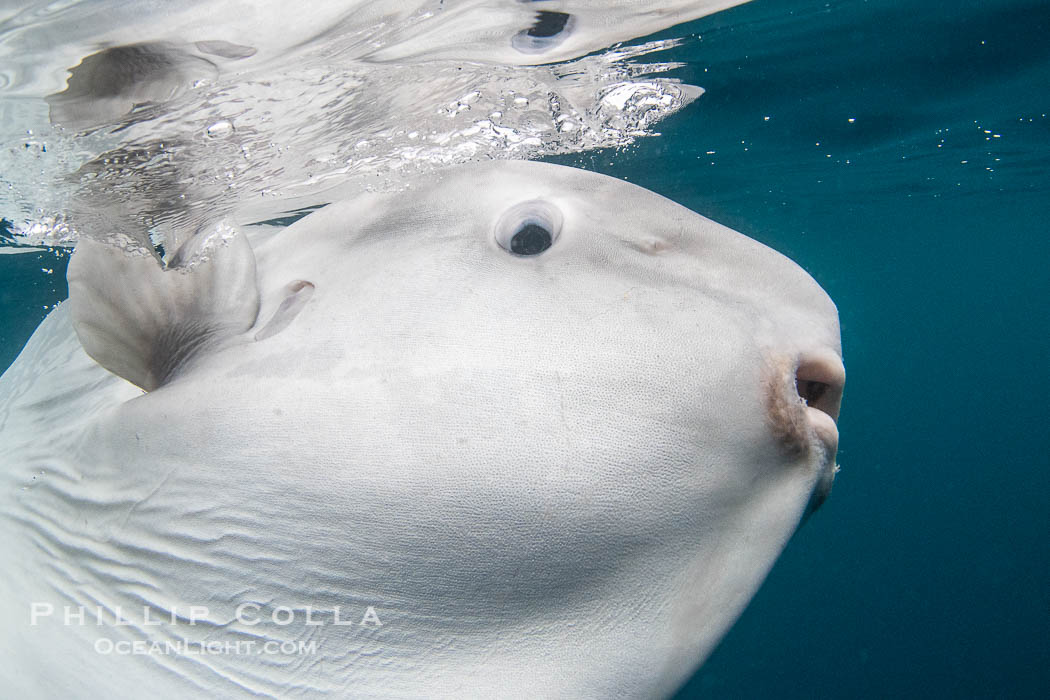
{"points": [[220, 129]]}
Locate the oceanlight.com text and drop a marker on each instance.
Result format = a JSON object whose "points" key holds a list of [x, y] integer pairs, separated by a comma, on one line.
{"points": [[180, 647]]}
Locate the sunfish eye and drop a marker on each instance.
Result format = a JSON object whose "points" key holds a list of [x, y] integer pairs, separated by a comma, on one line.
{"points": [[548, 30], [531, 239], [529, 228]]}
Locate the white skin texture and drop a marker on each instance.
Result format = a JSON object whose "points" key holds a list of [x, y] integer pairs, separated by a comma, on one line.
{"points": [[556, 475]]}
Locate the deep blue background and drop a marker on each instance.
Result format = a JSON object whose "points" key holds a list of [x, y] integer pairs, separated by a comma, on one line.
{"points": [[927, 573], [27, 293]]}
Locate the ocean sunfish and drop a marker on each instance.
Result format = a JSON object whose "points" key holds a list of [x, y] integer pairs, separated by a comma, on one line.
{"points": [[520, 430]]}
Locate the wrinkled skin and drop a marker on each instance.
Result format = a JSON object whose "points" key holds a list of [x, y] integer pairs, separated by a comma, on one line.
{"points": [[550, 475]]}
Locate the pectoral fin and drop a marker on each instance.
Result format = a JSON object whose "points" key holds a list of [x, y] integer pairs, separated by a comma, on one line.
{"points": [[145, 322]]}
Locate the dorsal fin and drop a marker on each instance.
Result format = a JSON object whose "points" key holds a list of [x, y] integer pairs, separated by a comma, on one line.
{"points": [[144, 322]]}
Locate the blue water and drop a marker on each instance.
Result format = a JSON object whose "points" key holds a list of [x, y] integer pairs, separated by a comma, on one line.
{"points": [[899, 151]]}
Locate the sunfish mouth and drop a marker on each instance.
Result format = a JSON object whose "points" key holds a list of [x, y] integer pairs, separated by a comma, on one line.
{"points": [[802, 395], [819, 381]]}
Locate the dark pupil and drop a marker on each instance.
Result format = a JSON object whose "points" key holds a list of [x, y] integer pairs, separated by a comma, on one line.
{"points": [[548, 24], [530, 240]]}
